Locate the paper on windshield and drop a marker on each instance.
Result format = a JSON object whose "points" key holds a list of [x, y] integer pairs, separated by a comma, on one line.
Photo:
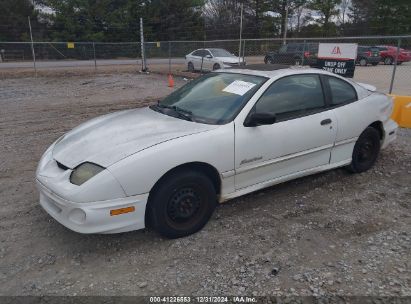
{"points": [[239, 87]]}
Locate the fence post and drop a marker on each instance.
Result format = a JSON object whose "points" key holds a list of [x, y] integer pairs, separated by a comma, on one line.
{"points": [[143, 55], [169, 57], [244, 51], [395, 65], [94, 53], [303, 57], [32, 48]]}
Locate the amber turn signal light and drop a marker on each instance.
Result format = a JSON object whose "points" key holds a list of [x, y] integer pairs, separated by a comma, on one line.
{"points": [[122, 210]]}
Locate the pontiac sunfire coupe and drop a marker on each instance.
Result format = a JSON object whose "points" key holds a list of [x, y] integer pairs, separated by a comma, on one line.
{"points": [[220, 136]]}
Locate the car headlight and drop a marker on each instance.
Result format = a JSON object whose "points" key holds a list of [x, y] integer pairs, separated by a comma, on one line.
{"points": [[84, 172]]}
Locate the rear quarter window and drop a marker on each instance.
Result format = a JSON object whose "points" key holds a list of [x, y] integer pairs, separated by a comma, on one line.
{"points": [[341, 91]]}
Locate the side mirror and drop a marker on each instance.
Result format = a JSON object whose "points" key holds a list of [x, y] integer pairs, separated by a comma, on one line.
{"points": [[208, 56], [259, 119]]}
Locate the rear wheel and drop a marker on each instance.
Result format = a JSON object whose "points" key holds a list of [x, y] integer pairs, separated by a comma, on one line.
{"points": [[363, 62], [269, 60], [366, 150], [388, 60], [182, 204]]}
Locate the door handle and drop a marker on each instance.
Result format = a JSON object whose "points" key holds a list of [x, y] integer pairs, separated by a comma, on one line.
{"points": [[326, 122]]}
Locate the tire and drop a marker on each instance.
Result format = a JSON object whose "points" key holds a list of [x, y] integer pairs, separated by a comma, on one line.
{"points": [[269, 60], [216, 66], [363, 62], [365, 151], [181, 204], [388, 60], [399, 62], [190, 67], [374, 63]]}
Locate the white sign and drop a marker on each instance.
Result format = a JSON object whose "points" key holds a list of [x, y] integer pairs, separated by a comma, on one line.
{"points": [[337, 51], [239, 87]]}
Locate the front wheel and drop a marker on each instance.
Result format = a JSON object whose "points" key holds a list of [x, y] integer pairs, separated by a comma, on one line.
{"points": [[182, 204], [365, 151], [216, 67], [190, 67]]}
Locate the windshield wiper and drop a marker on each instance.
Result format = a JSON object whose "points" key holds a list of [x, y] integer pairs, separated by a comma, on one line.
{"points": [[183, 113]]}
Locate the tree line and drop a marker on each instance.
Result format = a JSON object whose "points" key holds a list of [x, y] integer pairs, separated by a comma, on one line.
{"points": [[116, 21]]}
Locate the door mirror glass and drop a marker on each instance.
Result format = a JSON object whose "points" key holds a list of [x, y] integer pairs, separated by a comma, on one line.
{"points": [[259, 119]]}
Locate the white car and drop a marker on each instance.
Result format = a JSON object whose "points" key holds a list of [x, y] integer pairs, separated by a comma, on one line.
{"points": [[211, 59], [220, 136]]}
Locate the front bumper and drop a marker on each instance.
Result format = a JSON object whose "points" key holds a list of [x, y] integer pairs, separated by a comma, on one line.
{"points": [[390, 131], [94, 217]]}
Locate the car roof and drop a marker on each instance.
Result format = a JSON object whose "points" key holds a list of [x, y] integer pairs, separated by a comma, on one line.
{"points": [[273, 70], [277, 71]]}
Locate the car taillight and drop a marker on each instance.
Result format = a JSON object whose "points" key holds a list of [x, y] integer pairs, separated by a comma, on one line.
{"points": [[368, 53], [306, 54]]}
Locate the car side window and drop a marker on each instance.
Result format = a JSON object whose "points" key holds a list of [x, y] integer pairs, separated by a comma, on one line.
{"points": [[341, 91], [197, 53], [292, 96], [206, 53], [283, 49]]}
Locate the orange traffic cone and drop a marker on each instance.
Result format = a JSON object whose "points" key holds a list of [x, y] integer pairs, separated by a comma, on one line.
{"points": [[170, 81]]}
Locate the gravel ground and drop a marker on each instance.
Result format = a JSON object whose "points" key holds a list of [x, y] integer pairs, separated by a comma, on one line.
{"points": [[333, 233]]}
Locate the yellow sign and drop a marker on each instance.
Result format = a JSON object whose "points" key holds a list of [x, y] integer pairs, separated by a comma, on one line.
{"points": [[158, 43], [70, 45]]}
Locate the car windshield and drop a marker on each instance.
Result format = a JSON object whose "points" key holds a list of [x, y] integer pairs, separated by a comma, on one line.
{"points": [[221, 53], [215, 98]]}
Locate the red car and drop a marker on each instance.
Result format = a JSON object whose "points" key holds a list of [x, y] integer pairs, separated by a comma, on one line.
{"points": [[388, 54]]}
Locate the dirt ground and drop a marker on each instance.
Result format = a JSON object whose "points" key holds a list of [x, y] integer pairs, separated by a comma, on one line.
{"points": [[333, 233]]}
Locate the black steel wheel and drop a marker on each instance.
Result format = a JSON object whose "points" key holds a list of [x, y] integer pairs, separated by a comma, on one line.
{"points": [[366, 150], [182, 204]]}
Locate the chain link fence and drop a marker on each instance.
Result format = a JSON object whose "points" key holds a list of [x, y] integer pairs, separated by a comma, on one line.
{"points": [[383, 61]]}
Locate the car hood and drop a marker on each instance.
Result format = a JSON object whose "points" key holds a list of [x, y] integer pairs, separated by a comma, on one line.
{"points": [[232, 59], [107, 139]]}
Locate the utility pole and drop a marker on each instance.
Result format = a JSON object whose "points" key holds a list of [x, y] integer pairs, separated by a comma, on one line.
{"points": [[143, 55], [32, 47], [241, 31], [285, 23]]}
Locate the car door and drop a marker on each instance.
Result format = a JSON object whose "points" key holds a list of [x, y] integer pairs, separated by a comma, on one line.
{"points": [[281, 56], [301, 138], [196, 59], [208, 62], [350, 116]]}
